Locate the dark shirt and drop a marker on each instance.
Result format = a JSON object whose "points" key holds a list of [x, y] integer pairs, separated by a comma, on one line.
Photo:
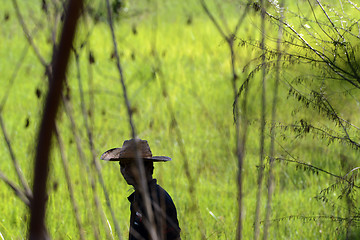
{"points": [[164, 211]]}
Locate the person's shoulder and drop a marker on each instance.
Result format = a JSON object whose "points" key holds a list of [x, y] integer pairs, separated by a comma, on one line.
{"points": [[131, 197], [162, 193]]}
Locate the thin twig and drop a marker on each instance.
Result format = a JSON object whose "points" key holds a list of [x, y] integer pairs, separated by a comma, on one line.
{"points": [[319, 24], [315, 168], [339, 121], [240, 139], [335, 68], [222, 16], [19, 192], [140, 165], [333, 41], [179, 139], [313, 218], [68, 181], [241, 19], [178, 133], [84, 187], [212, 18], [27, 34], [74, 131], [19, 173], [352, 170], [13, 77], [92, 148], [331, 22], [354, 5]]}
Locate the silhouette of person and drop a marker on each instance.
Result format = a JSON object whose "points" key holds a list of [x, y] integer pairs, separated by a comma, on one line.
{"points": [[153, 212]]}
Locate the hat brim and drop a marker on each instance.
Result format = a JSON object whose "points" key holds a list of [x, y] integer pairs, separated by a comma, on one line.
{"points": [[114, 155]]}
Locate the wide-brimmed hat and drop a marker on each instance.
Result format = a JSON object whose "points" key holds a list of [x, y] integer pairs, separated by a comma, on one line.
{"points": [[128, 152]]}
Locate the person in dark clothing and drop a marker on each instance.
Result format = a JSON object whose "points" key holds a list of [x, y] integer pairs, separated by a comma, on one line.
{"points": [[153, 212]]}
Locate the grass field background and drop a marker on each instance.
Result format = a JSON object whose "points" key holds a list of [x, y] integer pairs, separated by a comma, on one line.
{"points": [[177, 68]]}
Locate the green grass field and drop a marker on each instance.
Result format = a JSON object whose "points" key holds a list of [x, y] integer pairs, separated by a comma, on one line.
{"points": [[177, 68]]}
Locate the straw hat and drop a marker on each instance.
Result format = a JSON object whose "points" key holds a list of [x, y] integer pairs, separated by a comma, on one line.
{"points": [[128, 152]]}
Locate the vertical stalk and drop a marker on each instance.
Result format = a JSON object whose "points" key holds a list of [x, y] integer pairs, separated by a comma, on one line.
{"points": [[241, 136], [262, 128], [239, 139], [143, 188], [68, 111], [94, 160], [69, 183], [239, 149], [272, 133]]}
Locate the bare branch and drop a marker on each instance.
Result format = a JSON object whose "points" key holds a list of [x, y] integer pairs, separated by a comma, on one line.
{"points": [[92, 148], [314, 168], [74, 131], [179, 139], [19, 173], [241, 20], [354, 5], [13, 77], [323, 57], [240, 138], [222, 16], [331, 22], [141, 170], [212, 18], [27, 35], [69, 183], [20, 193]]}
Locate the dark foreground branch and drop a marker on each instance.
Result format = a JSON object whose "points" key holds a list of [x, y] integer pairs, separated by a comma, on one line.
{"points": [[37, 228]]}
